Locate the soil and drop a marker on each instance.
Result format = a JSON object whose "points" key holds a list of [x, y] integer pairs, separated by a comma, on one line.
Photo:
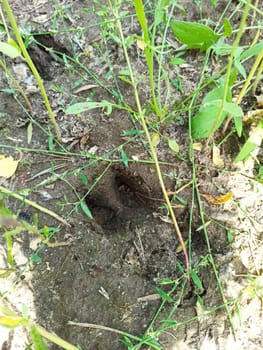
{"points": [[105, 271]]}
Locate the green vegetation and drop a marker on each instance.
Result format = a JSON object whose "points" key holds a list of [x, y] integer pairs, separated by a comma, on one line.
{"points": [[213, 113]]}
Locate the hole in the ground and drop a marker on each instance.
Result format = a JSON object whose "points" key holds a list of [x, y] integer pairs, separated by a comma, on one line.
{"points": [[130, 206]]}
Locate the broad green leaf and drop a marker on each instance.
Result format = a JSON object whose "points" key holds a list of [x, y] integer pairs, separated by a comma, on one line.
{"points": [[203, 121], [85, 209], [229, 107], [173, 145], [194, 35], [9, 50], [216, 94], [227, 27]]}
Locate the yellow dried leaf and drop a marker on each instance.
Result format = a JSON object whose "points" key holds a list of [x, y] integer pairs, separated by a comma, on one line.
{"points": [[141, 44], [217, 160], [155, 139], [85, 88], [9, 321], [197, 146], [260, 100], [7, 166], [218, 200]]}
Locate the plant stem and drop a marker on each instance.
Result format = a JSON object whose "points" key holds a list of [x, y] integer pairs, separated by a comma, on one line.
{"points": [[55, 339], [229, 67], [152, 150], [33, 204], [31, 66], [19, 88]]}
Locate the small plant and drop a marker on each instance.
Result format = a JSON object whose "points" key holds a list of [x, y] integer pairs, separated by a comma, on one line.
{"points": [[38, 334]]}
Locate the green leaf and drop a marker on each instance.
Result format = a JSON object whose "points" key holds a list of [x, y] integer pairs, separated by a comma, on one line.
{"points": [[213, 3], [85, 209], [124, 72], [124, 158], [173, 145], [171, 323], [251, 144], [9, 50], [252, 51], [230, 237], [176, 60], [194, 35], [238, 64], [229, 107], [216, 94], [131, 132], [221, 48], [81, 107], [180, 267], [203, 121], [227, 27], [83, 178], [196, 280], [238, 125], [36, 258], [14, 44], [123, 78], [138, 4], [164, 295], [159, 11], [50, 142], [37, 339]]}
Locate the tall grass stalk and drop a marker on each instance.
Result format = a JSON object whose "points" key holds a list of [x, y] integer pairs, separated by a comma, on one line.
{"points": [[31, 66], [229, 66], [141, 118], [139, 8]]}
